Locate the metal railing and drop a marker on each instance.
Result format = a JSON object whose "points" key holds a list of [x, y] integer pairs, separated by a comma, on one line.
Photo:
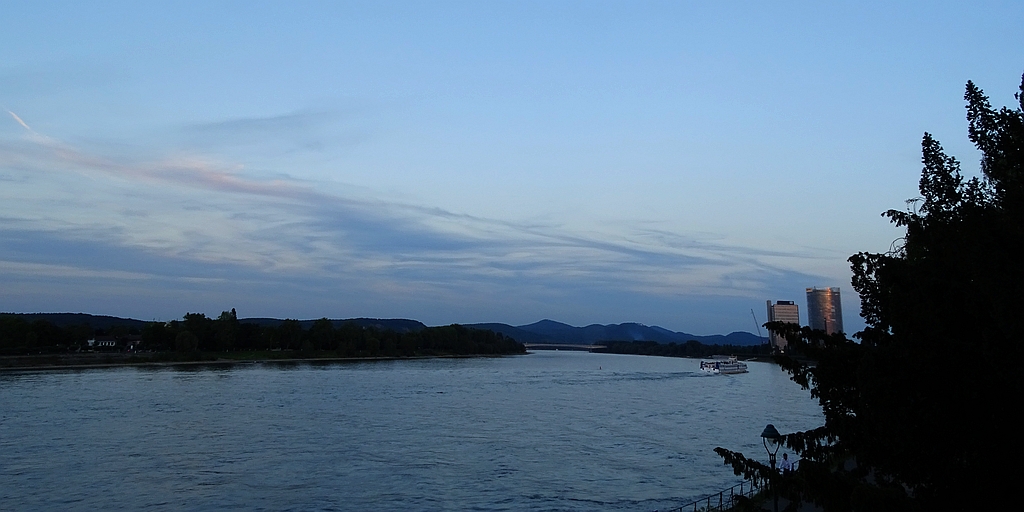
{"points": [[722, 500], [726, 499]]}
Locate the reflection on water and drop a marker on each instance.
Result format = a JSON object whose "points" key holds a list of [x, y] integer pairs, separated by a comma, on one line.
{"points": [[546, 431]]}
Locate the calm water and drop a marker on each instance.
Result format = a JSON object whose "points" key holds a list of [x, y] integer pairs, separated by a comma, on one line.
{"points": [[546, 431]]}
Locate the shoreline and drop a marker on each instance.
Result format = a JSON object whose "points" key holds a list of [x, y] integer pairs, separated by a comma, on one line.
{"points": [[225, 362]]}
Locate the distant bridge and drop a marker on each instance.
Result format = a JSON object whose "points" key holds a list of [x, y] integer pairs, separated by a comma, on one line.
{"points": [[560, 346]]}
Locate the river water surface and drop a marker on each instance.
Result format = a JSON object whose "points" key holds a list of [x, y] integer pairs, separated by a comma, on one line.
{"points": [[556, 430]]}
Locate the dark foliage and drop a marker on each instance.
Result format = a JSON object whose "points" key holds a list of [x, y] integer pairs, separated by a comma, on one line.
{"points": [[197, 334], [921, 413], [18, 335]]}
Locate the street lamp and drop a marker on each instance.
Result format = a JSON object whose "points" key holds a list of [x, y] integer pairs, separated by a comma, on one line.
{"points": [[771, 436]]}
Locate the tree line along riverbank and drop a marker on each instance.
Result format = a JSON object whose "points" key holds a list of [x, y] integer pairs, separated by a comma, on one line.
{"points": [[200, 338], [27, 341]]}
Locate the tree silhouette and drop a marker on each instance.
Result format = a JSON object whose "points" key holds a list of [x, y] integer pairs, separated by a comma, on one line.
{"points": [[921, 413]]}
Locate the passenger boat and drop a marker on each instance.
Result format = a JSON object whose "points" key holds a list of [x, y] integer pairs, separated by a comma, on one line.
{"points": [[724, 365]]}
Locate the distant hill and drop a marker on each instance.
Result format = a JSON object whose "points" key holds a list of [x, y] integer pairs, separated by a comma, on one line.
{"points": [[544, 331], [550, 331], [516, 333], [393, 324], [94, 321], [106, 322]]}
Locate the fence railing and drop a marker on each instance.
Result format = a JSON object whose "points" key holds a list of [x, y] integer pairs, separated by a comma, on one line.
{"points": [[723, 500], [726, 498]]}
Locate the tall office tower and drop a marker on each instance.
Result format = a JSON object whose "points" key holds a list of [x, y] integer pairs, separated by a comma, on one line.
{"points": [[824, 310], [782, 311]]}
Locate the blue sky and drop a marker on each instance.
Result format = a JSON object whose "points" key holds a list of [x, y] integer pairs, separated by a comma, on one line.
{"points": [[669, 163]]}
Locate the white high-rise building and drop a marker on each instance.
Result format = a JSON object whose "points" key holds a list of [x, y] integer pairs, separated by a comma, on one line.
{"points": [[782, 311]]}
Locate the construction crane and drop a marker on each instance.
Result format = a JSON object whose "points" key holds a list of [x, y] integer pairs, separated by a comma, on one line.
{"points": [[757, 325]]}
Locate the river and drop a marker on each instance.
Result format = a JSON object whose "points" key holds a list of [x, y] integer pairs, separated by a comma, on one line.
{"points": [[552, 430]]}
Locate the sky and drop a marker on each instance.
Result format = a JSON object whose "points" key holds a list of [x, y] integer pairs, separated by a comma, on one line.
{"points": [[667, 163]]}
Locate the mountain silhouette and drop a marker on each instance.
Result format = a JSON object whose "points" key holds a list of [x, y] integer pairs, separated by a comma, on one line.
{"points": [[544, 331], [550, 331]]}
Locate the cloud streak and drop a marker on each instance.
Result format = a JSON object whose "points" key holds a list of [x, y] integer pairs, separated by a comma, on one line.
{"points": [[196, 219], [22, 123]]}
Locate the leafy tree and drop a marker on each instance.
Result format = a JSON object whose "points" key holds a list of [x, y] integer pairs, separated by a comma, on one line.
{"points": [[289, 335], [117, 331], [250, 336], [18, 336], [77, 335], [158, 336], [921, 413], [321, 335], [186, 342], [202, 328], [227, 329], [196, 334]]}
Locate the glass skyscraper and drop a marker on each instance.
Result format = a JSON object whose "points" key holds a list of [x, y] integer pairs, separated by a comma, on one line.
{"points": [[824, 310]]}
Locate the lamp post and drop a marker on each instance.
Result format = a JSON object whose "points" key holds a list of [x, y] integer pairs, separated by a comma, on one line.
{"points": [[771, 436]]}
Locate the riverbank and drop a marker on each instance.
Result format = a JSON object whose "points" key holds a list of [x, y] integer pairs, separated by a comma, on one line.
{"points": [[93, 360]]}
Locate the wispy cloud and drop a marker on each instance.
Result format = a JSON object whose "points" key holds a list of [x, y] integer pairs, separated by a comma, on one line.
{"points": [[274, 125], [305, 130], [189, 213], [32, 134], [22, 123], [19, 268]]}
